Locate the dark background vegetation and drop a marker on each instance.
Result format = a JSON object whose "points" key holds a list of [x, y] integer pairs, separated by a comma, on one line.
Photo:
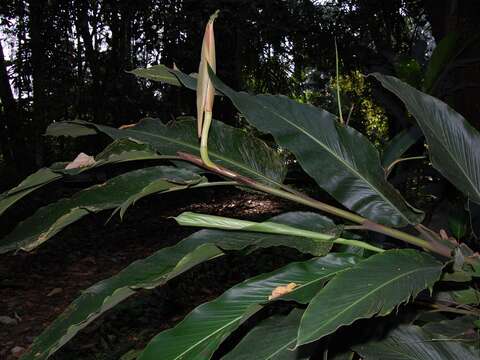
{"points": [[68, 59]]}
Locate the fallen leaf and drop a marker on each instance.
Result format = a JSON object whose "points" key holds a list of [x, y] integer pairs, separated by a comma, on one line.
{"points": [[17, 351], [282, 290], [443, 234], [126, 126], [54, 291], [82, 160], [7, 320]]}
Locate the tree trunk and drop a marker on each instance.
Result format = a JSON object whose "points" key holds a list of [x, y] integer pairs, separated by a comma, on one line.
{"points": [[82, 24], [38, 10], [12, 144]]}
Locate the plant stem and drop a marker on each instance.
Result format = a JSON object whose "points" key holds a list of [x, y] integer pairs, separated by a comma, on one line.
{"points": [[338, 85], [204, 140], [438, 248], [217, 183], [390, 167], [444, 308], [357, 243]]}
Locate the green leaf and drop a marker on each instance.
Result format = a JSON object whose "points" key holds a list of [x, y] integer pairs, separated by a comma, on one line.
{"points": [[442, 55], [466, 296], [409, 342], [373, 287], [278, 336], [221, 222], [326, 237], [458, 221], [314, 242], [119, 151], [340, 159], [35, 181], [67, 128], [228, 146], [49, 220], [303, 220], [400, 144], [454, 145], [165, 75], [204, 329], [164, 265], [461, 328]]}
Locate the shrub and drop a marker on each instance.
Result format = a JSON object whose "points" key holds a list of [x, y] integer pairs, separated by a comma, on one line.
{"points": [[348, 277]]}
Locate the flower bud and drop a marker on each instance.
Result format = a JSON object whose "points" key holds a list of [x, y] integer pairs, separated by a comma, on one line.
{"points": [[205, 89]]}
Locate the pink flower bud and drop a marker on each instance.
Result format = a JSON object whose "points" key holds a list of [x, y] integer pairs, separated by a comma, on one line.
{"points": [[205, 89]]}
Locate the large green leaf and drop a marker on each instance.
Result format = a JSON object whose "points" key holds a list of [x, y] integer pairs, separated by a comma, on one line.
{"points": [[35, 181], [325, 238], [442, 55], [228, 146], [49, 220], [408, 342], [460, 329], [374, 287], [224, 223], [454, 145], [400, 144], [164, 265], [339, 158], [322, 242], [204, 329], [462, 296], [158, 73], [272, 339], [119, 151]]}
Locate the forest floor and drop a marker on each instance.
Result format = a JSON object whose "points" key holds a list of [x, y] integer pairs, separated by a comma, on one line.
{"points": [[36, 287]]}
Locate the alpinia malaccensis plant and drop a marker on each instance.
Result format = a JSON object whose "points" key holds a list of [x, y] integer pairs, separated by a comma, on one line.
{"points": [[348, 278]]}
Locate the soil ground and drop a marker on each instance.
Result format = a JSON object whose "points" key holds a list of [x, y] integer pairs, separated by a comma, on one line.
{"points": [[36, 287]]}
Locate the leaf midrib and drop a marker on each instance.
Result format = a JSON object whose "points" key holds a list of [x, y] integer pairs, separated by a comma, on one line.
{"points": [[253, 303], [347, 165], [442, 143], [281, 348], [212, 153]]}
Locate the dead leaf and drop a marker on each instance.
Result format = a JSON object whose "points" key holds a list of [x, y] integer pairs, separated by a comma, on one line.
{"points": [[282, 290], [82, 160], [17, 351], [7, 320], [126, 126], [55, 291], [443, 234]]}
